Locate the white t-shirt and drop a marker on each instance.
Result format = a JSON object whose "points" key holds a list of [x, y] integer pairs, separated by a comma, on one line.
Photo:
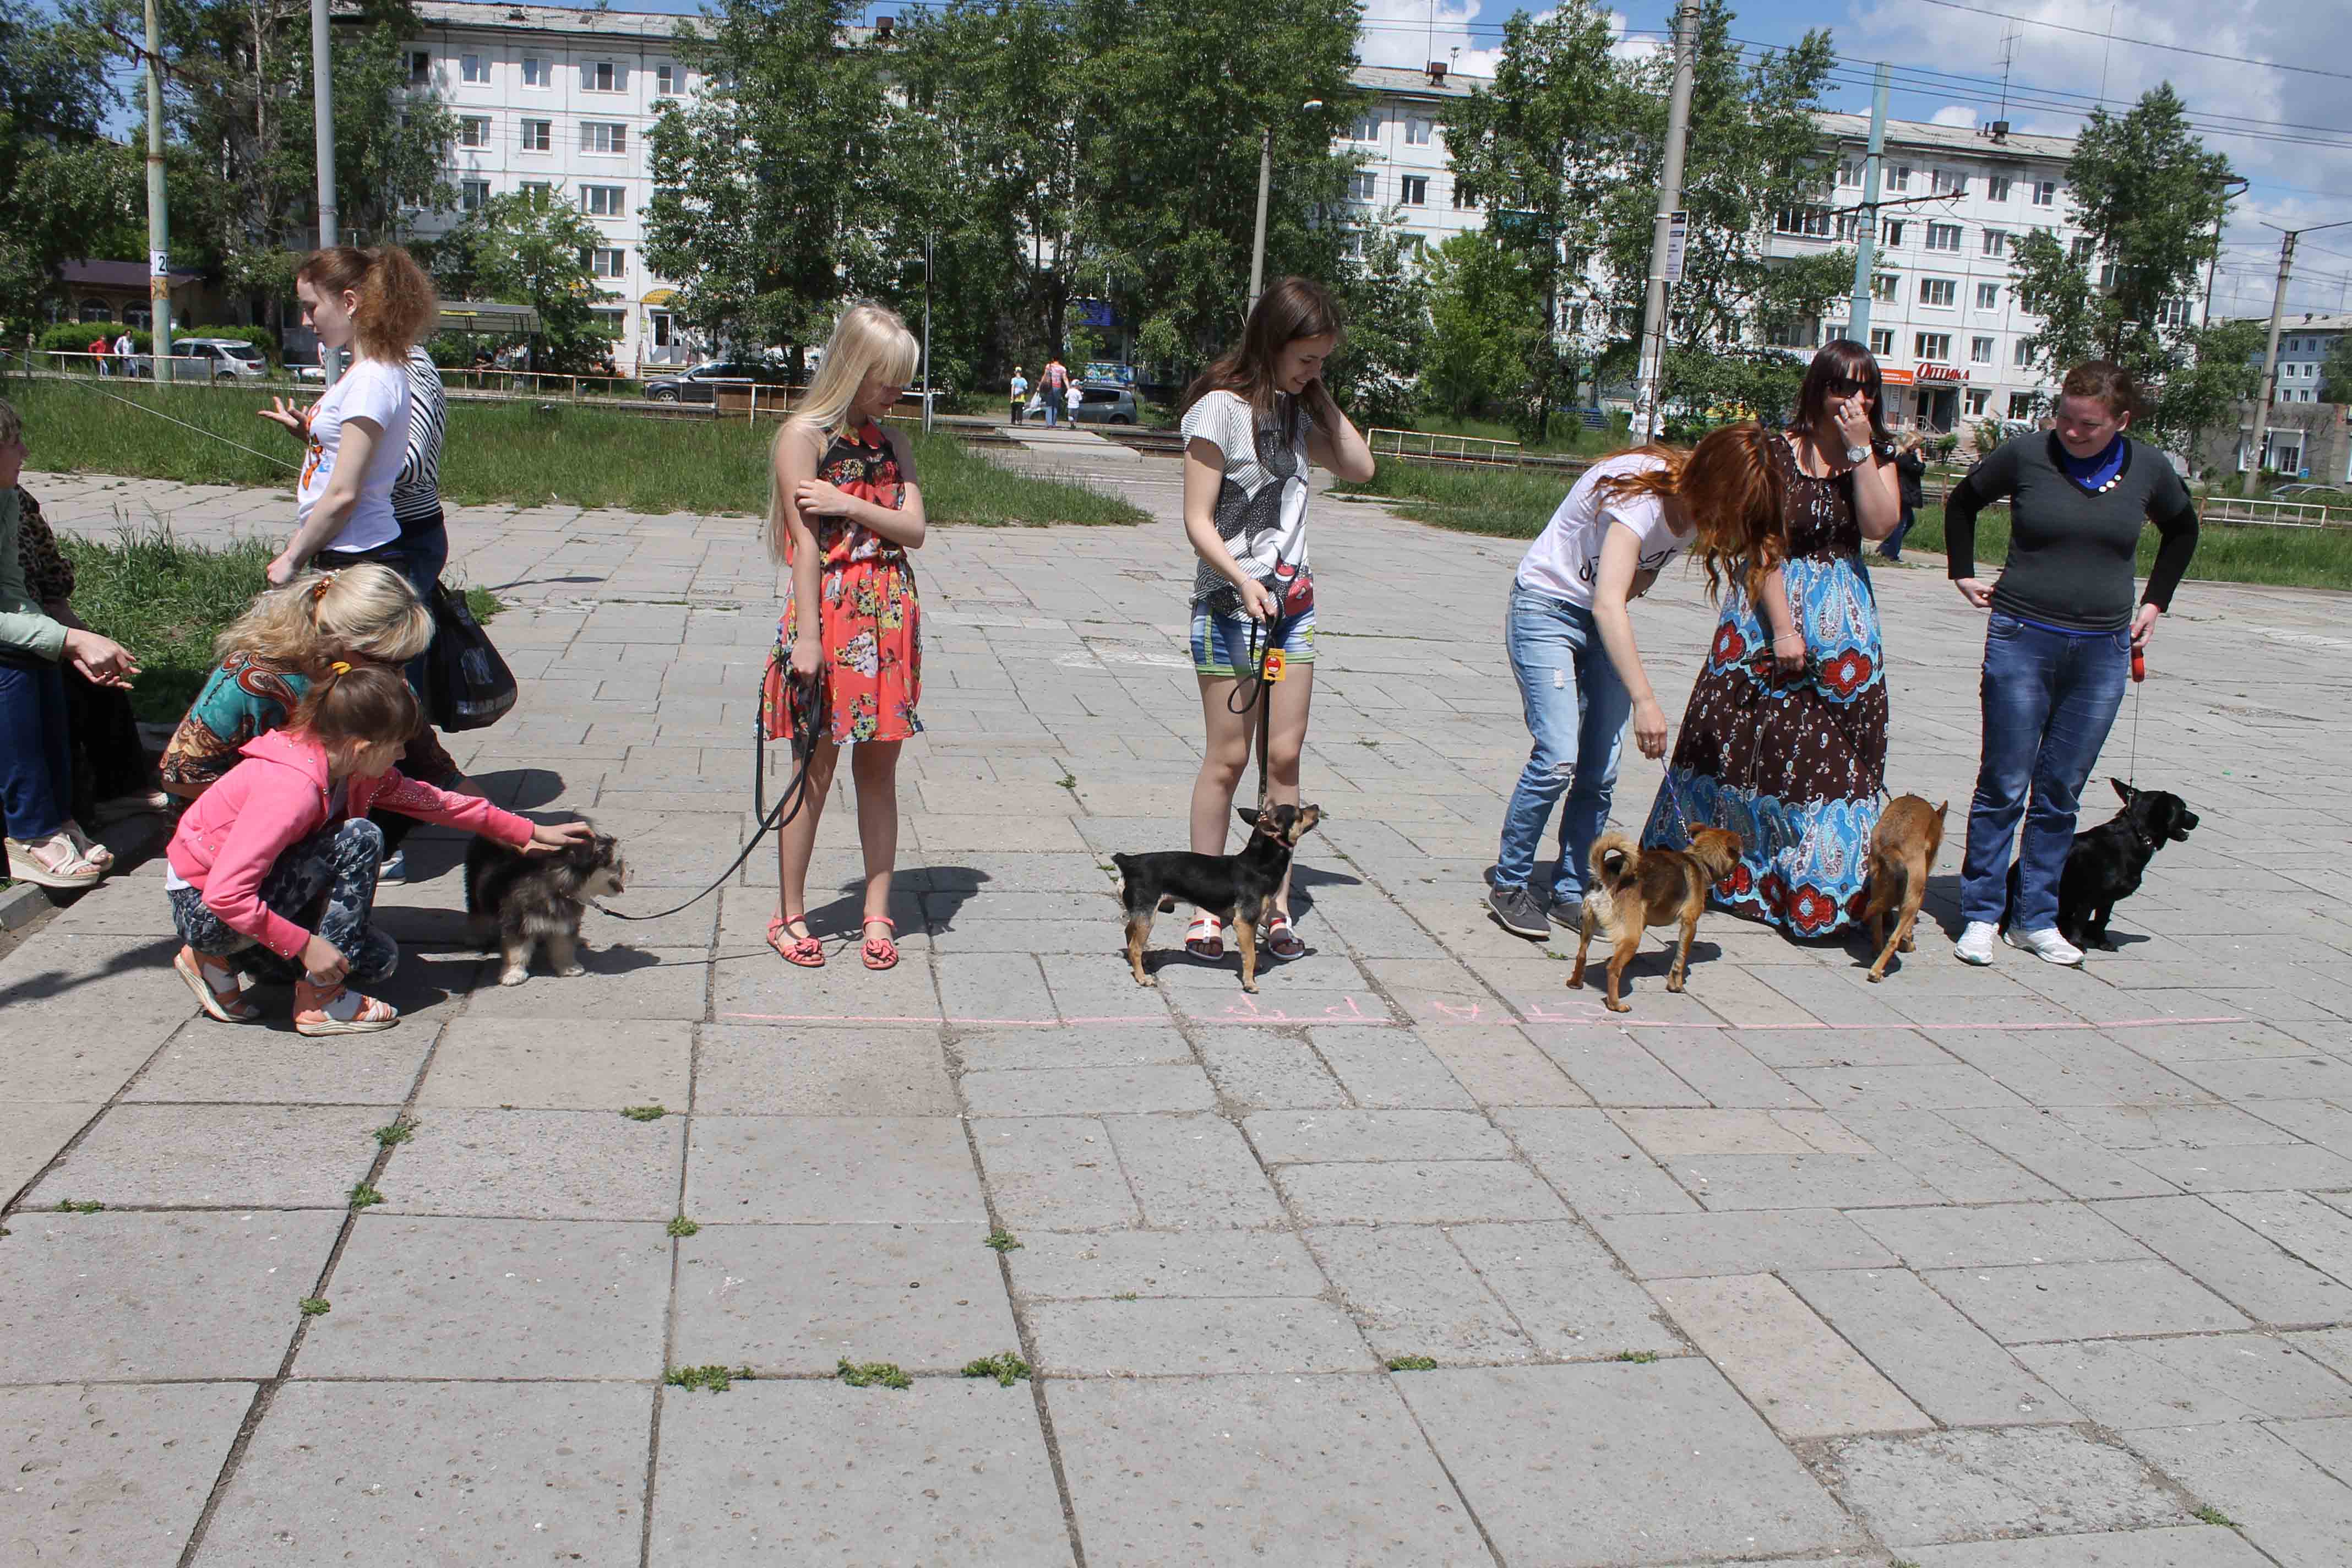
{"points": [[1261, 506], [374, 390], [1565, 559]]}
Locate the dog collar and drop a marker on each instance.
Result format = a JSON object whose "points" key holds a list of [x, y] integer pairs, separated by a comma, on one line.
{"points": [[2144, 840]]}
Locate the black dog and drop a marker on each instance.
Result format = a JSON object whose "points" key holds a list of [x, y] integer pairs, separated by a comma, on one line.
{"points": [[1233, 888], [2106, 864], [515, 902]]}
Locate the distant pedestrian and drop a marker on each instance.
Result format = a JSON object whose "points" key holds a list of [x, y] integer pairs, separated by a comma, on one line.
{"points": [[1056, 379], [1020, 393], [124, 348], [100, 354], [1910, 471], [2059, 644]]}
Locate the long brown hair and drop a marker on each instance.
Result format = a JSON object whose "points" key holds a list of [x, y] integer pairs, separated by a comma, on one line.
{"points": [[1293, 309], [395, 301], [1732, 488], [1842, 359]]}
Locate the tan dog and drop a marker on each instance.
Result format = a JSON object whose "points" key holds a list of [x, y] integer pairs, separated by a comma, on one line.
{"points": [[1634, 890], [1902, 853]]}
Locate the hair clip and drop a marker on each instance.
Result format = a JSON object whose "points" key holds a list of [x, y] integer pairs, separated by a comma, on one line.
{"points": [[340, 667], [318, 589]]}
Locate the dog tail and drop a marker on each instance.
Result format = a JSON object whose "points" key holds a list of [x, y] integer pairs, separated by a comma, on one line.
{"points": [[1614, 861]]}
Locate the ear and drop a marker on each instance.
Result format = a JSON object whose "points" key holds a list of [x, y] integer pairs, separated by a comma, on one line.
{"points": [[1248, 814], [2122, 790]]}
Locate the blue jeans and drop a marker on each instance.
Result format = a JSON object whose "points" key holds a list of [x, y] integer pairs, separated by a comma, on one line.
{"points": [[1576, 711], [1055, 403], [1891, 547], [36, 759], [2049, 699]]}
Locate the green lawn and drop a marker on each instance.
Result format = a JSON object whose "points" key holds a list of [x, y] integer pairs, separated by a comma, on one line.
{"points": [[526, 453], [2226, 552], [1512, 503]]}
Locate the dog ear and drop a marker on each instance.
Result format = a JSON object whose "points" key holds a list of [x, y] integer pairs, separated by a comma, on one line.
{"points": [[2123, 792], [1247, 814]]}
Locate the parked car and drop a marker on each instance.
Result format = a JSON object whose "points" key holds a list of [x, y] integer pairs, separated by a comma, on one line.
{"points": [[696, 386], [215, 358], [1089, 406]]}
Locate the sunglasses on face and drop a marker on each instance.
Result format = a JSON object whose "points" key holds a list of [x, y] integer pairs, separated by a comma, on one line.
{"points": [[1845, 386]]}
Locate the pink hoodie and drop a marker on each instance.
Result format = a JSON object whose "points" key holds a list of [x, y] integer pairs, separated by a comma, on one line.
{"points": [[278, 796]]}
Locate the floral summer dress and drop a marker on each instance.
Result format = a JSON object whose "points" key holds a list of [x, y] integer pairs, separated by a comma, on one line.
{"points": [[867, 616], [1794, 766]]}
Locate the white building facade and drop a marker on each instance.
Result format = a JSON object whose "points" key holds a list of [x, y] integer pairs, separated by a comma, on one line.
{"points": [[2305, 343]]}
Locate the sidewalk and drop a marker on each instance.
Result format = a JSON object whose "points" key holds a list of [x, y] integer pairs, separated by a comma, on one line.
{"points": [[2017, 1266]]}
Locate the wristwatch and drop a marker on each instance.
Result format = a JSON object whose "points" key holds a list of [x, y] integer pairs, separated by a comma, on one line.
{"points": [[1857, 456]]}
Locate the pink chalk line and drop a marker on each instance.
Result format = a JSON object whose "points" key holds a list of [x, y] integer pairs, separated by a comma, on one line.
{"points": [[1469, 1014]]}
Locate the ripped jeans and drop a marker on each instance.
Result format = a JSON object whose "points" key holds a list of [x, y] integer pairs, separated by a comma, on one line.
{"points": [[1576, 711], [328, 878]]}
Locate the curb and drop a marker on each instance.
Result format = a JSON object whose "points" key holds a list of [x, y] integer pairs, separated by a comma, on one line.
{"points": [[19, 904]]}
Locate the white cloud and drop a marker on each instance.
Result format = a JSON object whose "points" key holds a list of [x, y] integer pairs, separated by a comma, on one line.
{"points": [[1410, 34], [1958, 115]]}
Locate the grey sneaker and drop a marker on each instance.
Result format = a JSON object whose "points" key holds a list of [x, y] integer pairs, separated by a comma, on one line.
{"points": [[1520, 913], [1567, 913], [2047, 946], [395, 869], [1975, 945]]}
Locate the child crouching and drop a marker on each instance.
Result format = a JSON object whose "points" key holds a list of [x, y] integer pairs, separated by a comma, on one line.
{"points": [[283, 838]]}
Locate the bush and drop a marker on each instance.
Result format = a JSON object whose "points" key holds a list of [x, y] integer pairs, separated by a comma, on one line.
{"points": [[74, 337]]}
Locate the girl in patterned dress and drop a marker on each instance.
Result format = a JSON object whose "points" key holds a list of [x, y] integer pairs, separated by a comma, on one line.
{"points": [[844, 511], [1785, 738]]}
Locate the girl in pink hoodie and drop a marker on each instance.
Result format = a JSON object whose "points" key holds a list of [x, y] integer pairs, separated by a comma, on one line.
{"points": [[284, 836]]}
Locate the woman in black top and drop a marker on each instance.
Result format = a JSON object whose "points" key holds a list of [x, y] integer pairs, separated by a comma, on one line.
{"points": [[1910, 471], [2062, 631]]}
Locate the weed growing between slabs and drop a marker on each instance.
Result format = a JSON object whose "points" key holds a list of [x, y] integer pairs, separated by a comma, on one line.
{"points": [[1007, 1368], [712, 1379], [1002, 1239], [645, 1112], [400, 1130], [364, 1196], [88, 1206], [1412, 1363], [315, 1306], [681, 1227], [865, 1374]]}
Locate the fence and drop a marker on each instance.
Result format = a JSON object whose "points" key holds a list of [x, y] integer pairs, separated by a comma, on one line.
{"points": [[1428, 447], [2275, 513]]}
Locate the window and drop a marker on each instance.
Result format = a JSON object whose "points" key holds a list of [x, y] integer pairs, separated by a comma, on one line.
{"points": [[603, 76], [1892, 235], [612, 323], [2021, 406], [1416, 133], [1367, 126], [609, 263], [537, 135], [1466, 200], [666, 82], [1794, 333], [2024, 356], [1996, 242], [1882, 340], [474, 68], [1943, 237], [1849, 228], [420, 69], [1933, 347], [538, 193], [602, 136], [605, 201], [1881, 286], [1813, 223], [1980, 351], [1898, 177], [1977, 399], [534, 71], [1351, 242], [1417, 190], [2172, 314], [473, 194], [1850, 174], [1362, 186], [474, 130], [1997, 187], [2083, 250], [1946, 182], [1938, 291], [2045, 193]]}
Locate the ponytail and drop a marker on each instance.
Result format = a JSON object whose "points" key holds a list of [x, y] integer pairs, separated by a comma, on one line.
{"points": [[396, 303], [366, 703]]}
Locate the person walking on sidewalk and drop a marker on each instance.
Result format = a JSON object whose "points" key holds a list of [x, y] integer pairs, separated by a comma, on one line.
{"points": [[1251, 423], [2060, 639], [1910, 474], [1055, 381], [1020, 392]]}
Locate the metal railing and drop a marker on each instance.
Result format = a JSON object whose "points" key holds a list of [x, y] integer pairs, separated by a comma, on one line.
{"points": [[2244, 509], [1423, 444]]}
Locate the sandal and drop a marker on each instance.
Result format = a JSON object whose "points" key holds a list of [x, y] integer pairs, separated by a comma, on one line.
{"points": [[339, 1010], [53, 862], [97, 854], [1203, 939], [1281, 942], [880, 952], [805, 950], [214, 983]]}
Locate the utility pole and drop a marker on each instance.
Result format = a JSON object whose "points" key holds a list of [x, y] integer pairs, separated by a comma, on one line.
{"points": [[1264, 183], [1670, 195], [927, 334], [2270, 353], [2205, 317], [1865, 251], [322, 101], [159, 218]]}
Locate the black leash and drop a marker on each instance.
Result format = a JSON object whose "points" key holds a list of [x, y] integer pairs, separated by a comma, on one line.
{"points": [[805, 696]]}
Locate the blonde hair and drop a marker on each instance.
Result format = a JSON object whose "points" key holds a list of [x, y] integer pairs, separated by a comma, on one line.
{"points": [[395, 307], [867, 340], [367, 612]]}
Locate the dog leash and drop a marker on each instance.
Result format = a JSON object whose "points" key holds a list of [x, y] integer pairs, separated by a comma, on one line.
{"points": [[2140, 702]]}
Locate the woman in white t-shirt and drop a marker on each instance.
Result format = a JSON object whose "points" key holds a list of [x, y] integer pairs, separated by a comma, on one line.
{"points": [[1570, 634], [1251, 423], [355, 437]]}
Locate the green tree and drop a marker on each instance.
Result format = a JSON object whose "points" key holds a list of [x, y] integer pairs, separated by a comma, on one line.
{"points": [[1486, 327], [1385, 298], [520, 251], [2335, 373], [66, 190], [2150, 198], [1542, 148]]}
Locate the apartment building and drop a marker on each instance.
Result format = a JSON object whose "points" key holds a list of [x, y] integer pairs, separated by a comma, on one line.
{"points": [[2305, 343], [1405, 179]]}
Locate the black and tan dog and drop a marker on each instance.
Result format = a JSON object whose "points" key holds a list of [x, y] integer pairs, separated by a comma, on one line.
{"points": [[2106, 864], [516, 901], [1233, 888], [1634, 890], [1902, 853]]}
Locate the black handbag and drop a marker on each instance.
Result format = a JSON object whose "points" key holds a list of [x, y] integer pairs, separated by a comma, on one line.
{"points": [[468, 686]]}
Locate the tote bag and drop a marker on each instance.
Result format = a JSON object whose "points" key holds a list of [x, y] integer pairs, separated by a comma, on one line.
{"points": [[470, 686]]}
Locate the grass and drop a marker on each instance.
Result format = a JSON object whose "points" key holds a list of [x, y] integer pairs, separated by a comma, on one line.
{"points": [[1412, 1363], [1639, 1358], [682, 1227], [1510, 503], [1002, 1240], [364, 1196], [2208, 1514], [711, 1379], [865, 1374], [315, 1306], [2226, 552], [398, 1130], [86, 1206], [1569, 437], [645, 1112], [528, 453], [1007, 1368]]}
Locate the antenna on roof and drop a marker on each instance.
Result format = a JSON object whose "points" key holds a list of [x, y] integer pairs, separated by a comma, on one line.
{"points": [[2008, 59]]}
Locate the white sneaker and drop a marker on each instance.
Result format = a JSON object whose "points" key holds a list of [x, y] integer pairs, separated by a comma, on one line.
{"points": [[1975, 945], [2047, 946]]}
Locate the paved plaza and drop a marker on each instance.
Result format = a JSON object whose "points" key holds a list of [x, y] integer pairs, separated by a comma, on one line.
{"points": [[1415, 1258]]}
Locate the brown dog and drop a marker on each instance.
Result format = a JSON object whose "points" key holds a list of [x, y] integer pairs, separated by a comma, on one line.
{"points": [[1634, 890], [1902, 853]]}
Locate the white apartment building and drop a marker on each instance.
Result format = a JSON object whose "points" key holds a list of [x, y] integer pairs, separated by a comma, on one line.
{"points": [[2305, 343], [550, 99], [1405, 180]]}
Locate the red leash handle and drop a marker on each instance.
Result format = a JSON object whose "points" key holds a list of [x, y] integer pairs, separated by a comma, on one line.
{"points": [[2139, 665]]}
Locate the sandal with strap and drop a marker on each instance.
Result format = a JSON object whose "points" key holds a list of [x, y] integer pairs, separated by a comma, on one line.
{"points": [[1204, 938], [55, 862], [214, 983], [339, 1010], [803, 950], [880, 952], [97, 854], [1281, 942]]}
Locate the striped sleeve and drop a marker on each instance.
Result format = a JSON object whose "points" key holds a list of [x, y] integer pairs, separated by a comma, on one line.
{"points": [[416, 493]]}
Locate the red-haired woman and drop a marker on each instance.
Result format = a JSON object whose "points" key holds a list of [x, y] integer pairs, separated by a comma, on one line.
{"points": [[1785, 738]]}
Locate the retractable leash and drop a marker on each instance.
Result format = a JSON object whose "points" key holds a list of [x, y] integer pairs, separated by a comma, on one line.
{"points": [[2140, 702], [806, 695]]}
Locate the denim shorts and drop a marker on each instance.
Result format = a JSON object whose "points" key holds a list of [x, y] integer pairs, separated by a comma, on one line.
{"points": [[1221, 643]]}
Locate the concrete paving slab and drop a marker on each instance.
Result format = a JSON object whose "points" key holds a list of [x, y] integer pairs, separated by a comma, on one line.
{"points": [[1191, 1336], [1414, 1294], [202, 1061], [2032, 1303], [536, 1164], [620, 982], [2294, 1512], [2232, 1260], [217, 1156], [1663, 1246], [113, 1474], [1258, 1068], [1417, 1192], [1949, 1367], [31, 1134], [1565, 1290], [1191, 1171], [745, 1069], [579, 1064], [817, 1170], [1059, 1265], [2192, 1380], [1054, 1172], [1950, 1486], [1800, 1375], [1592, 1163], [2181, 1546], [1998, 1234]]}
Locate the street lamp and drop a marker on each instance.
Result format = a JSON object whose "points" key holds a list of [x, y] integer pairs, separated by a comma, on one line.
{"points": [[1264, 178]]}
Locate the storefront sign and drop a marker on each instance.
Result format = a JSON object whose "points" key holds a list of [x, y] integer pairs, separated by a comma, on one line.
{"points": [[1943, 373]]}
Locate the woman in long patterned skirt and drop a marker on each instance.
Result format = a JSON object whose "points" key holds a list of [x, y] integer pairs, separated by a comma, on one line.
{"points": [[1785, 738]]}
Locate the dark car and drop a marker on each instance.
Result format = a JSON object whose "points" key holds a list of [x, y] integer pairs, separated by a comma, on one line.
{"points": [[696, 386]]}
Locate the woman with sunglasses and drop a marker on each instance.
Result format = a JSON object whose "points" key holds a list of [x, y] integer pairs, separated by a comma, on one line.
{"points": [[1785, 738]]}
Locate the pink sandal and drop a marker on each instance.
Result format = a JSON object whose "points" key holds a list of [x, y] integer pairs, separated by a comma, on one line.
{"points": [[880, 952], [217, 992], [805, 950], [339, 1010], [1204, 938]]}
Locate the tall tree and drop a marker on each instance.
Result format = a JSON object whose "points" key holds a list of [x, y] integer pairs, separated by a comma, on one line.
{"points": [[520, 250], [2336, 371], [1485, 306], [1542, 147], [2151, 199], [1385, 298], [65, 189]]}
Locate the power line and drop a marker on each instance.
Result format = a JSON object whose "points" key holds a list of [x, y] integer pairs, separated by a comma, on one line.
{"points": [[2143, 43]]}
